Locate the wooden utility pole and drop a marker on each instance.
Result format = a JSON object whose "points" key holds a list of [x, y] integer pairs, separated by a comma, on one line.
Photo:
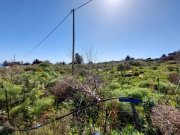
{"points": [[14, 59], [73, 48]]}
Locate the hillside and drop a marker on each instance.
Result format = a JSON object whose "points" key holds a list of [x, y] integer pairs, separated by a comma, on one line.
{"points": [[40, 95]]}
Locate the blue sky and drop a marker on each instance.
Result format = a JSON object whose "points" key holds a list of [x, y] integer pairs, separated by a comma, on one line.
{"points": [[113, 28]]}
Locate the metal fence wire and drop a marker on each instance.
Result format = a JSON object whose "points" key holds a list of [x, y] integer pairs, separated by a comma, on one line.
{"points": [[94, 114]]}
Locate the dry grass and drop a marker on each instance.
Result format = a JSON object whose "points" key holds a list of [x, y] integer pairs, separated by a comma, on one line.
{"points": [[167, 119]]}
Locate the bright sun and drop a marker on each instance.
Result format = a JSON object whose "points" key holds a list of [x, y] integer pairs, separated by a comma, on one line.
{"points": [[114, 3]]}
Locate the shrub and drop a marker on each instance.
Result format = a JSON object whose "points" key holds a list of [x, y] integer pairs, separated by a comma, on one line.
{"points": [[137, 63], [146, 84], [30, 68], [115, 132], [129, 130], [62, 91], [171, 68], [17, 109], [158, 98], [35, 93], [20, 110], [166, 88], [139, 93], [114, 111], [154, 68], [115, 85], [124, 66], [42, 104], [45, 64], [174, 78], [12, 90]]}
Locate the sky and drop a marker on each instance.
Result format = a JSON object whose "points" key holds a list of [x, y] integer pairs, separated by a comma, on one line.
{"points": [[112, 28]]}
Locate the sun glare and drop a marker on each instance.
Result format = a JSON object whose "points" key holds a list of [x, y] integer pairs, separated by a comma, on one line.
{"points": [[113, 5], [113, 2]]}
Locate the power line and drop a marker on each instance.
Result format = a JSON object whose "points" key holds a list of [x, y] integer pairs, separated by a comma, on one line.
{"points": [[50, 33], [54, 29], [83, 5]]}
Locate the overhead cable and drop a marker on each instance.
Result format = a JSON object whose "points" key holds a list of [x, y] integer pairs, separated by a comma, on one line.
{"points": [[50, 33]]}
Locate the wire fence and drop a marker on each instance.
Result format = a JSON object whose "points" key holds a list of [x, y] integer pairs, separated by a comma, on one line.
{"points": [[97, 110]]}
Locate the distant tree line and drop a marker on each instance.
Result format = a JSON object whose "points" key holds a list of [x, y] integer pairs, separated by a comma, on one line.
{"points": [[171, 56], [78, 59], [10, 63], [6, 63]]}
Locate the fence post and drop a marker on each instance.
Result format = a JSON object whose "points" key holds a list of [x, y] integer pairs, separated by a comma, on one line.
{"points": [[135, 117], [105, 123], [7, 105]]}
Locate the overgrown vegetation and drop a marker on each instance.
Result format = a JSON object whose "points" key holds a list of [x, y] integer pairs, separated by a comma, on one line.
{"points": [[42, 92]]}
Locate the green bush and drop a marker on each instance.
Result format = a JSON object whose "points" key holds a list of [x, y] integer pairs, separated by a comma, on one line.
{"points": [[114, 85], [137, 63], [123, 66], [115, 132], [146, 84], [45, 64], [43, 104], [139, 93], [166, 88], [130, 130], [12, 89], [2, 94], [17, 109], [171, 68], [154, 68], [34, 94], [158, 98], [20, 110]]}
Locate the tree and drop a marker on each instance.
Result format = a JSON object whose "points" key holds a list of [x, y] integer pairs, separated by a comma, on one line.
{"points": [[127, 58], [36, 61], [26, 63], [5, 63], [163, 57], [78, 59]]}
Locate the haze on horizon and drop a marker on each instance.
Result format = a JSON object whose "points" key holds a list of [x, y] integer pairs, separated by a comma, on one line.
{"points": [[113, 28]]}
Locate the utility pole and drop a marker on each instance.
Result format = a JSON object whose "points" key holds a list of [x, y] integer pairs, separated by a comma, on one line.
{"points": [[73, 47], [14, 59]]}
